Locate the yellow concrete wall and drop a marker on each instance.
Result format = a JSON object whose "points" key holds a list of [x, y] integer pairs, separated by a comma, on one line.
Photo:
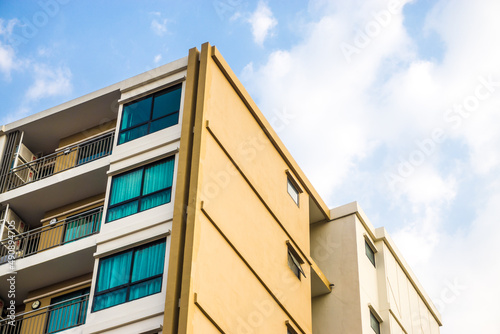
{"points": [[249, 226], [235, 257], [69, 160], [245, 141], [77, 137], [230, 293]]}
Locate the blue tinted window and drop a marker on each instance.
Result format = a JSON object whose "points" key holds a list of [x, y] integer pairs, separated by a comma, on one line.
{"points": [[129, 275], [153, 113]]}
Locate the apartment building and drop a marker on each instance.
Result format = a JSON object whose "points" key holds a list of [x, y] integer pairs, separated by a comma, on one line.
{"points": [[166, 203], [375, 289]]}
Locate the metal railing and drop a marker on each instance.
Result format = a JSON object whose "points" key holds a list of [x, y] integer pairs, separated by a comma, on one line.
{"points": [[49, 319], [53, 235], [60, 161]]}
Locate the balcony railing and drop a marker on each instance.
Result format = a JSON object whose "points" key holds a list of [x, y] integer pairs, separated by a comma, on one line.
{"points": [[50, 319], [49, 236], [60, 161]]}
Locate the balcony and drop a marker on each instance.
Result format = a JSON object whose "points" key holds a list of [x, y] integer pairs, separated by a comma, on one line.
{"points": [[55, 234], [70, 157], [50, 319]]}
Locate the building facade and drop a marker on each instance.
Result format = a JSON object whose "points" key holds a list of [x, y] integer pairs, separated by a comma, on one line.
{"points": [[166, 203]]}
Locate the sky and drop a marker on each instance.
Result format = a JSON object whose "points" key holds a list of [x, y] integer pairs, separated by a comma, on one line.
{"points": [[391, 103]]}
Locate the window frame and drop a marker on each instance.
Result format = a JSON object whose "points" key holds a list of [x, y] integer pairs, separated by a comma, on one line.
{"points": [[150, 120], [374, 319], [291, 183], [369, 246], [140, 196], [289, 328], [129, 284], [296, 260]]}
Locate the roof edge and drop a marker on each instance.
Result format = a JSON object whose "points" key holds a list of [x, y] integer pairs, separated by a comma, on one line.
{"points": [[269, 131]]}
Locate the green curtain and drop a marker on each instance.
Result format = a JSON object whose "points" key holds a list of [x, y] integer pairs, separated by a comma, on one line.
{"points": [[155, 200], [126, 186], [148, 262], [113, 272], [157, 177], [145, 288], [67, 314], [123, 210], [81, 226]]}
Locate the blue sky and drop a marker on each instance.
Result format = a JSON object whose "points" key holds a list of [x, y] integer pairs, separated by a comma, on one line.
{"points": [[394, 104]]}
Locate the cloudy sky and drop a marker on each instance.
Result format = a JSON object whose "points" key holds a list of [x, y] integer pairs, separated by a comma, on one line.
{"points": [[395, 104]]}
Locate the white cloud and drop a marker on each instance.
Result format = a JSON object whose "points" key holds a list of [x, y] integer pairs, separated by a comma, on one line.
{"points": [[8, 61], [49, 82], [7, 28], [372, 109], [157, 58], [159, 26], [262, 22]]}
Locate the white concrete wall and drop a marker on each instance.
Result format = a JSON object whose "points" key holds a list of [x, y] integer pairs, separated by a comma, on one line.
{"points": [[389, 289], [334, 249]]}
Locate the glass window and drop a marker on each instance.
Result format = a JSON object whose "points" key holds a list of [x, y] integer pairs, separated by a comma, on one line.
{"points": [[68, 310], [294, 263], [141, 189], [292, 190], [374, 323], [150, 114], [370, 253], [129, 275]]}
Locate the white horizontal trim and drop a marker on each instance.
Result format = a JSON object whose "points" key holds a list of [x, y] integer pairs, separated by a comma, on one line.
{"points": [[152, 90]]}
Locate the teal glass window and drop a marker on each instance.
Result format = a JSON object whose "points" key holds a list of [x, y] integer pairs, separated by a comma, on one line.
{"points": [[68, 311], [141, 189], [150, 114], [129, 275]]}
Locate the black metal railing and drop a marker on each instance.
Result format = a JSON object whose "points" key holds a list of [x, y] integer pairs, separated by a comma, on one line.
{"points": [[51, 164], [53, 235], [50, 319]]}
